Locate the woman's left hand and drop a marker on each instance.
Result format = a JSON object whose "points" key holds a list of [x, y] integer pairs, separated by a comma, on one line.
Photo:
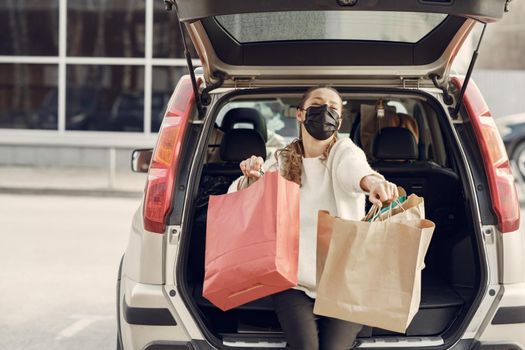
{"points": [[383, 191]]}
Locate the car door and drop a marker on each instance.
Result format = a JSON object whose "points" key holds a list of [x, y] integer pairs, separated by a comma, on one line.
{"points": [[243, 42]]}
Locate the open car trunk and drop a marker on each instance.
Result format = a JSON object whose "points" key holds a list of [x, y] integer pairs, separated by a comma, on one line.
{"points": [[454, 264], [262, 42]]}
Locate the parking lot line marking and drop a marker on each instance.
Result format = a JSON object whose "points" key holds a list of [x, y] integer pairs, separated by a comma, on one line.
{"points": [[83, 322]]}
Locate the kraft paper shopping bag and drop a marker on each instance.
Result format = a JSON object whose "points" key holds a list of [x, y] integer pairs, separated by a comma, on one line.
{"points": [[371, 271]]}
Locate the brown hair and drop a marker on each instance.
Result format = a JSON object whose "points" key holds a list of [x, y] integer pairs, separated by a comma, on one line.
{"points": [[292, 154]]}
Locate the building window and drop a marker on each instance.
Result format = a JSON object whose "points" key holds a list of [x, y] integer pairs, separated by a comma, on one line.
{"points": [[166, 34], [106, 28], [105, 98], [93, 75], [28, 96], [29, 27]]}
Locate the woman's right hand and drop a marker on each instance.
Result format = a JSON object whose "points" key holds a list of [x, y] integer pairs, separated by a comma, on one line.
{"points": [[252, 168]]}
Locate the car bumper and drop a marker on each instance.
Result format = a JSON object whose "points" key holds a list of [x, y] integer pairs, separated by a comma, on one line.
{"points": [[147, 318], [497, 346], [466, 345], [506, 329]]}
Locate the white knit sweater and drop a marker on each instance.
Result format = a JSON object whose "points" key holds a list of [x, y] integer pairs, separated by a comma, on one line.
{"points": [[332, 185]]}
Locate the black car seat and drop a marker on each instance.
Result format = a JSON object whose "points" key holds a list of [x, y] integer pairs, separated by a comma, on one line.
{"points": [[369, 124], [396, 155], [394, 151], [245, 115], [395, 144], [236, 145], [397, 158]]}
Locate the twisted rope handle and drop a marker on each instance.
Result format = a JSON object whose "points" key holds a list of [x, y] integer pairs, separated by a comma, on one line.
{"points": [[372, 212], [375, 211]]}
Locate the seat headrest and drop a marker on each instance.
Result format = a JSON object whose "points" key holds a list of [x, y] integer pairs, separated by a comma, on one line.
{"points": [[245, 115], [239, 144], [393, 143]]}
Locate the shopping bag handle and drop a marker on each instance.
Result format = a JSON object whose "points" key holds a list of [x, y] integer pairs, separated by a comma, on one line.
{"points": [[375, 210]]}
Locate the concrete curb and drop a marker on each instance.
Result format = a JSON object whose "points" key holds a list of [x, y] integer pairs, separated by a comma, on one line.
{"points": [[74, 192]]}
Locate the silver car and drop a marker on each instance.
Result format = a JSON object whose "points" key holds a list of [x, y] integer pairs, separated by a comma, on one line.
{"points": [[385, 58]]}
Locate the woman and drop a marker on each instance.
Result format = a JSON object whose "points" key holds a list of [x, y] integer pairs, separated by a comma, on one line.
{"points": [[334, 175]]}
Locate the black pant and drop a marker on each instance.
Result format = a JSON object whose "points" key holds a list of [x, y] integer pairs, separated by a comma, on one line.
{"points": [[304, 330]]}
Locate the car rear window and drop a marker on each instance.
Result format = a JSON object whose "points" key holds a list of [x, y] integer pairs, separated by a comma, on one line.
{"points": [[330, 25], [360, 122]]}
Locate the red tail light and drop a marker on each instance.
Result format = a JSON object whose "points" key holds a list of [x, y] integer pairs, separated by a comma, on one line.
{"points": [[497, 166], [163, 167]]}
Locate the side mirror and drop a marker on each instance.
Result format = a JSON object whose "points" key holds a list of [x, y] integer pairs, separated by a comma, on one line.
{"points": [[140, 159]]}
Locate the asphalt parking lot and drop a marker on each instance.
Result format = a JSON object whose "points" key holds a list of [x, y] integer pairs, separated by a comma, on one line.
{"points": [[59, 257]]}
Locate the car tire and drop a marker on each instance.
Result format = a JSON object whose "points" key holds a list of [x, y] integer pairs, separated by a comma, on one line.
{"points": [[119, 345], [119, 335], [518, 156], [518, 164]]}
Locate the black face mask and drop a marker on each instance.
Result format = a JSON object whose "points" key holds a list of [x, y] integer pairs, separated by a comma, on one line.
{"points": [[321, 122]]}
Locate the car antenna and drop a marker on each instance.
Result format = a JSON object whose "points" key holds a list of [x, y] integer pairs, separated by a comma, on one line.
{"points": [[469, 72], [169, 6]]}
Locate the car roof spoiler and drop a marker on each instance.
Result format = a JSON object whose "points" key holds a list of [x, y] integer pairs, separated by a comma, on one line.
{"points": [[485, 11]]}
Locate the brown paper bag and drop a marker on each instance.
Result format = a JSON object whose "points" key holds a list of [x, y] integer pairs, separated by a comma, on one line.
{"points": [[325, 223], [371, 272]]}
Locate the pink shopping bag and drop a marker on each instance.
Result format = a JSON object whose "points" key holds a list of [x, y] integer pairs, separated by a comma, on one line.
{"points": [[252, 242]]}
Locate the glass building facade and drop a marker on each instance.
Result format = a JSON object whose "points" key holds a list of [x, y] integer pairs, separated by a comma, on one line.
{"points": [[87, 65]]}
